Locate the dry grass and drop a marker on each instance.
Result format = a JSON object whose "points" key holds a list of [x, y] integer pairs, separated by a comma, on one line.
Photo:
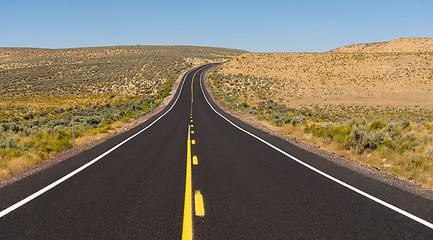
{"points": [[19, 164]]}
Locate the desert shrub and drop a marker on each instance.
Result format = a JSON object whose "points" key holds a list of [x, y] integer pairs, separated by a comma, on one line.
{"points": [[405, 123], [361, 139], [8, 143], [165, 89], [16, 127], [5, 127], [357, 137], [319, 131], [279, 118], [244, 105], [392, 130], [408, 142], [418, 163], [374, 140], [377, 125], [125, 119], [29, 144], [388, 143], [62, 145], [357, 122], [341, 134], [45, 121], [252, 110], [309, 128], [28, 116], [62, 135], [27, 131], [424, 139], [94, 120], [297, 120], [110, 114], [77, 133], [103, 131], [43, 114]]}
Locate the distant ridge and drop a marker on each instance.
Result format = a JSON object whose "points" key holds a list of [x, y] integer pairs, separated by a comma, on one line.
{"points": [[398, 45]]}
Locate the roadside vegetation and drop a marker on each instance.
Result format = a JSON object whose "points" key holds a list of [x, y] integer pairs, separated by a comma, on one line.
{"points": [[102, 88], [392, 134]]}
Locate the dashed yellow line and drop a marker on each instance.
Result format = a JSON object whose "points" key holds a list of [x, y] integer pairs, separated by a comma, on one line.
{"points": [[192, 132], [199, 206], [195, 160], [187, 210]]}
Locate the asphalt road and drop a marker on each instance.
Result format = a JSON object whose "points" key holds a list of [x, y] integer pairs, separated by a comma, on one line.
{"points": [[252, 185]]}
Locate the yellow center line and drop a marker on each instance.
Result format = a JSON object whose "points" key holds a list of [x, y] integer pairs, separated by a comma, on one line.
{"points": [[187, 210], [195, 160], [199, 206]]}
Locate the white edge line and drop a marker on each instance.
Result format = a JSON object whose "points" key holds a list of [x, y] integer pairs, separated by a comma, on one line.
{"points": [[401, 211], [52, 185]]}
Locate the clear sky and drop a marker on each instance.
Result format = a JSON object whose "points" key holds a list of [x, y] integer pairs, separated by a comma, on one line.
{"points": [[257, 26]]}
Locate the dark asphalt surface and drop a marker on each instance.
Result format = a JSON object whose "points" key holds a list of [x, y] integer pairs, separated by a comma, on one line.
{"points": [[250, 191]]}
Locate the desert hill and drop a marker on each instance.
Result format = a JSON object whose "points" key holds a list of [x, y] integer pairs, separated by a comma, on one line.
{"points": [[367, 79], [127, 70], [398, 45]]}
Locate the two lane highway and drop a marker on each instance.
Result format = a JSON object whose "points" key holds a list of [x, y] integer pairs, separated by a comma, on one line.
{"points": [[193, 171]]}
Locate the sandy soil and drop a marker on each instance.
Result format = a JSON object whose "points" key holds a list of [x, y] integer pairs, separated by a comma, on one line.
{"points": [[368, 79], [398, 45]]}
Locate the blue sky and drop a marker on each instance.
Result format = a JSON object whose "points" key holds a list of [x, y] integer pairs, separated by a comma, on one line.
{"points": [[257, 26]]}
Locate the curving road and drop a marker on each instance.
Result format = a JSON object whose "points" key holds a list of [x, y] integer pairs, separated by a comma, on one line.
{"points": [[193, 171]]}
